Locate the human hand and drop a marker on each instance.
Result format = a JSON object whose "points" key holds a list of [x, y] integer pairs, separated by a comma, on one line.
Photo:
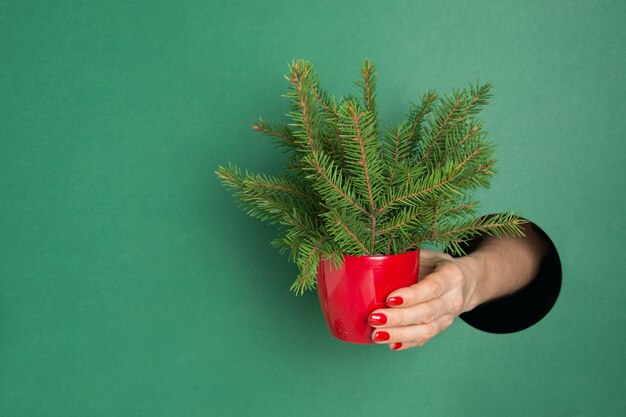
{"points": [[421, 311]]}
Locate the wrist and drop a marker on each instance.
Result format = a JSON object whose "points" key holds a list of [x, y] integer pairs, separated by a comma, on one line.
{"points": [[474, 271]]}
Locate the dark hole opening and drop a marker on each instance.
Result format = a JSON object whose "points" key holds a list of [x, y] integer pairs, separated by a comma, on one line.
{"points": [[525, 307]]}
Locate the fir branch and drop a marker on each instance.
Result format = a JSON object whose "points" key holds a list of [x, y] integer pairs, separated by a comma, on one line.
{"points": [[303, 80], [401, 141], [416, 119], [349, 193], [281, 131], [325, 101], [353, 236], [452, 112], [417, 116], [399, 138], [472, 131], [406, 217], [412, 245], [389, 243], [346, 230], [330, 109], [304, 102], [498, 225], [434, 229], [439, 180], [479, 176], [330, 182], [465, 208], [281, 185], [451, 115], [308, 259], [362, 152], [373, 234], [470, 157], [434, 214], [368, 85], [481, 94], [271, 199], [363, 159], [396, 145], [230, 176], [444, 180]]}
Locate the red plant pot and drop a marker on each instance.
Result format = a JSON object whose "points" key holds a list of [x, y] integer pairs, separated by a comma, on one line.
{"points": [[348, 295]]}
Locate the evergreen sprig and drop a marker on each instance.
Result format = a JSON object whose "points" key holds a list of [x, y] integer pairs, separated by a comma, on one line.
{"points": [[351, 188]]}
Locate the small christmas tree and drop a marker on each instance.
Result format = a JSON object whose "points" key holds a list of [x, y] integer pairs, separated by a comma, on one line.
{"points": [[352, 189]]}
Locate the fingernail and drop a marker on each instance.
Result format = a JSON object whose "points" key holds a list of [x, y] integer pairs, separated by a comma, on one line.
{"points": [[394, 301], [378, 319], [397, 345], [381, 336]]}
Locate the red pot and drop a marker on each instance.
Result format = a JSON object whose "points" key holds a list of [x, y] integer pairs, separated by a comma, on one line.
{"points": [[348, 295]]}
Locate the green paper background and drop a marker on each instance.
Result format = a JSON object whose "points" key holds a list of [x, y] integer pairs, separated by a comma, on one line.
{"points": [[132, 285]]}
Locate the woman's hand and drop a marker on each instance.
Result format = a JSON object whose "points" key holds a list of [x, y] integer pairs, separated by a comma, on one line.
{"points": [[419, 312], [450, 286]]}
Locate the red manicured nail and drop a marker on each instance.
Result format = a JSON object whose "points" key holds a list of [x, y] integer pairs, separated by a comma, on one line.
{"points": [[381, 336], [378, 319], [397, 345], [394, 301]]}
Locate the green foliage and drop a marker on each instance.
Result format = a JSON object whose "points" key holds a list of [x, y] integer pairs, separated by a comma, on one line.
{"points": [[351, 188]]}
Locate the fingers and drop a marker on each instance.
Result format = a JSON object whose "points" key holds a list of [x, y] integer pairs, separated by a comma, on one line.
{"points": [[446, 276], [405, 337], [419, 314]]}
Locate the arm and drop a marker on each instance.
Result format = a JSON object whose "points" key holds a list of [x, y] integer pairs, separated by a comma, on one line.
{"points": [[516, 258], [495, 269]]}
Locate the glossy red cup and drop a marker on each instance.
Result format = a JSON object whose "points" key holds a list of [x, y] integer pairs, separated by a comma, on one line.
{"points": [[348, 295]]}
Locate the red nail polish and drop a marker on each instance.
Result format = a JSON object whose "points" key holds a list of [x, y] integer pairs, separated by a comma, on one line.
{"points": [[381, 336], [394, 301], [397, 345], [378, 319]]}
